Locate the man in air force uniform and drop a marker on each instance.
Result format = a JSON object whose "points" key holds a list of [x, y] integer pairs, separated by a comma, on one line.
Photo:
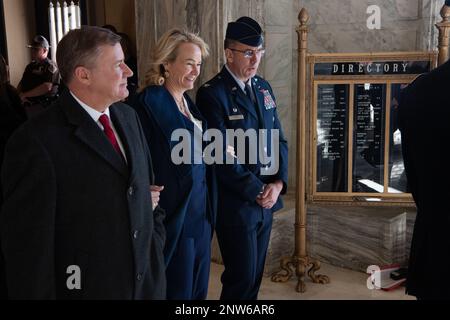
{"points": [[238, 99]]}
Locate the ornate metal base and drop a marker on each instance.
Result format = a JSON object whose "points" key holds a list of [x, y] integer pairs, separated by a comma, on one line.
{"points": [[300, 264]]}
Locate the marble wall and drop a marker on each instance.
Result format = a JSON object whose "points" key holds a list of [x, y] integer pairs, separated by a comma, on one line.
{"points": [[155, 17], [340, 25], [345, 236]]}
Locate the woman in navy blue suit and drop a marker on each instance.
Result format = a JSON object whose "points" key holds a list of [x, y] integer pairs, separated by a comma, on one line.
{"points": [[188, 196]]}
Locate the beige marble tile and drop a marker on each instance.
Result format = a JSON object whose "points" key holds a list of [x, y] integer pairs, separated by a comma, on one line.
{"points": [[277, 59], [278, 12], [202, 17], [336, 40], [355, 11], [350, 237], [345, 285]]}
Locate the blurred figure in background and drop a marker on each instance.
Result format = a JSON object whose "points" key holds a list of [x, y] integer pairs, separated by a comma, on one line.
{"points": [[38, 87], [12, 115], [131, 62], [423, 117]]}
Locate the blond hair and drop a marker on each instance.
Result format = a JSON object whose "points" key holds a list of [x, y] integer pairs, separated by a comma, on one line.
{"points": [[166, 50]]}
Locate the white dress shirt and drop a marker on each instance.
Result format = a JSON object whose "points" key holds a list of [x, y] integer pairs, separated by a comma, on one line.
{"points": [[240, 83], [197, 122], [95, 115]]}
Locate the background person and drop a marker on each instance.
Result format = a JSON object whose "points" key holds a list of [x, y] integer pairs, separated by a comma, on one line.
{"points": [[38, 87], [131, 62], [423, 114], [12, 116]]}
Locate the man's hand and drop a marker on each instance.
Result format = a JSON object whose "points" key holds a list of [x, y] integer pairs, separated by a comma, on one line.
{"points": [[269, 196], [23, 98], [155, 191]]}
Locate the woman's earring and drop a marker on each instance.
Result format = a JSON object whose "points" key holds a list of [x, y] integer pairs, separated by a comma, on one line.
{"points": [[166, 74]]}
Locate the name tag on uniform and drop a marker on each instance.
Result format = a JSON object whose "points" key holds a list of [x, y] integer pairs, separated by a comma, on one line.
{"points": [[268, 101], [236, 117]]}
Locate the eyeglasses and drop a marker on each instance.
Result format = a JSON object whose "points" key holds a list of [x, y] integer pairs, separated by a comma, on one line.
{"points": [[249, 53]]}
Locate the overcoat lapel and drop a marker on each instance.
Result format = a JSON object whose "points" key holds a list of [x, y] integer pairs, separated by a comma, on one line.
{"points": [[125, 131], [89, 133]]}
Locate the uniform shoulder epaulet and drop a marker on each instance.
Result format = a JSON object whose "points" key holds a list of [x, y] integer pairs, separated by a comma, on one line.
{"points": [[259, 78], [210, 83]]}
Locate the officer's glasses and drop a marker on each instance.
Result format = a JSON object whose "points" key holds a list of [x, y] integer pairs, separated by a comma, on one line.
{"points": [[249, 53]]}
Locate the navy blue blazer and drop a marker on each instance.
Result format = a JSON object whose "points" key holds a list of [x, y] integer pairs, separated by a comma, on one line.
{"points": [[160, 117], [225, 106]]}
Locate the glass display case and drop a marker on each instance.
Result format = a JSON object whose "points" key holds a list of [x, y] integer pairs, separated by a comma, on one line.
{"points": [[355, 141]]}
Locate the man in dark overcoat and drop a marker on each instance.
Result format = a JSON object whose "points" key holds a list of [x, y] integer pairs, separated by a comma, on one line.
{"points": [[424, 117], [78, 220]]}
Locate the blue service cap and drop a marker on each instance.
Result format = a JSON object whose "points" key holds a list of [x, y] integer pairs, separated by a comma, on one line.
{"points": [[245, 30], [447, 3]]}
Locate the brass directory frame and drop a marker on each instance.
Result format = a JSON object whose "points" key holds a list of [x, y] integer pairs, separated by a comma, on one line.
{"points": [[350, 197]]}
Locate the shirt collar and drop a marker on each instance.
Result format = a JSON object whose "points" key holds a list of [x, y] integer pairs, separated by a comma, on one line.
{"points": [[95, 115], [239, 82]]}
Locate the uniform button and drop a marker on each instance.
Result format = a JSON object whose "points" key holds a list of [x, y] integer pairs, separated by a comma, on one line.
{"points": [[139, 277], [130, 191], [136, 234]]}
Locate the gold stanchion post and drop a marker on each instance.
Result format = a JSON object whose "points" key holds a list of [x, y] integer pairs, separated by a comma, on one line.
{"points": [[444, 29], [300, 259]]}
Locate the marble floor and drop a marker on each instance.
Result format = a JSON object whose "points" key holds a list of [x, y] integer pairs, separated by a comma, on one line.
{"points": [[345, 285]]}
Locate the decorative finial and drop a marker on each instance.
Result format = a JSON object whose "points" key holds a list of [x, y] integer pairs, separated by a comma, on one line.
{"points": [[303, 17], [445, 13]]}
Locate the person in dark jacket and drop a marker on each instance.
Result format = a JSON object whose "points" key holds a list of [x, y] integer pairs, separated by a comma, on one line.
{"points": [[12, 115], [78, 220], [423, 116], [188, 196]]}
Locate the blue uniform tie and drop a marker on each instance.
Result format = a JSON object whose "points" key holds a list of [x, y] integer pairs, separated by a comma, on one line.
{"points": [[248, 92]]}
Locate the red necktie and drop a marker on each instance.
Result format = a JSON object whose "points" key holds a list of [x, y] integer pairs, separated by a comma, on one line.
{"points": [[104, 120]]}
